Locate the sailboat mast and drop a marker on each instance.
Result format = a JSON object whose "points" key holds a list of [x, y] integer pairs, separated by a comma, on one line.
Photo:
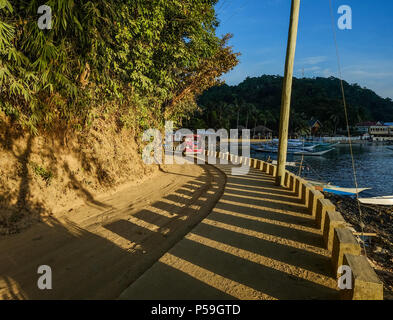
{"points": [[286, 93]]}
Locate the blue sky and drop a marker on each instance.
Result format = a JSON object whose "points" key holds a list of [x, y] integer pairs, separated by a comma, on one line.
{"points": [[260, 29]]}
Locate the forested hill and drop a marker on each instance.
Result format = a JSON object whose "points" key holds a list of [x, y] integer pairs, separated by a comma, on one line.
{"points": [[256, 101]]}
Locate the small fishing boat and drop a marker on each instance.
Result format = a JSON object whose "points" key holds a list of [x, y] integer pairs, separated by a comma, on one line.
{"points": [[383, 201], [390, 148], [327, 187], [307, 151], [344, 191], [312, 153], [293, 145], [289, 164], [291, 142]]}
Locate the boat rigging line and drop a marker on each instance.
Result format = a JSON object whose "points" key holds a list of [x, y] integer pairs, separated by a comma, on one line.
{"points": [[347, 122]]}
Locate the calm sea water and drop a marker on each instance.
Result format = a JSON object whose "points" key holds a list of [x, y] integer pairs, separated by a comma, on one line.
{"points": [[374, 165]]}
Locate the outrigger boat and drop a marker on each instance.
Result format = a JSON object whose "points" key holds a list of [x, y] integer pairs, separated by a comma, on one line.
{"points": [[306, 151], [296, 147], [383, 201], [344, 191], [289, 164], [312, 153], [327, 187]]}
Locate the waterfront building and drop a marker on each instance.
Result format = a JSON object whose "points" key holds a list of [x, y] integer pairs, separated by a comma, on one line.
{"points": [[363, 127], [382, 132]]}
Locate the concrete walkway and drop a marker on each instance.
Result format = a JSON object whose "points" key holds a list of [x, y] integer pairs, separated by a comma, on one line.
{"points": [[257, 243]]}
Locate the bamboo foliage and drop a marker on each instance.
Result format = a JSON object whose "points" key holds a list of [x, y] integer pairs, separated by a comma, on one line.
{"points": [[142, 57]]}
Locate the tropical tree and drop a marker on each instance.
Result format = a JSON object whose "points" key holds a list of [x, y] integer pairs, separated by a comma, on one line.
{"points": [[143, 61]]}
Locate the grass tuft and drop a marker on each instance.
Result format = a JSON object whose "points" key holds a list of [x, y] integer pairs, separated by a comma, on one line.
{"points": [[45, 174]]}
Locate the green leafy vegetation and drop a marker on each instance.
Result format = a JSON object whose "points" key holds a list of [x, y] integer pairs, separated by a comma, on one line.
{"points": [[256, 101], [142, 62], [40, 171]]}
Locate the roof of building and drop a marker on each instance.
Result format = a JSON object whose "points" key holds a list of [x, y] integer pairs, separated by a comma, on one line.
{"points": [[313, 122], [261, 129], [366, 124]]}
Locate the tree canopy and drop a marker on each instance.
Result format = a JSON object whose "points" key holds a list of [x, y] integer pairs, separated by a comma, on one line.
{"points": [[145, 61]]}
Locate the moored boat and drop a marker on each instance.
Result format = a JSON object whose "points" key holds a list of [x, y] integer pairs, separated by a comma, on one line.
{"points": [[327, 187], [344, 191], [382, 201], [306, 151], [312, 153], [289, 164]]}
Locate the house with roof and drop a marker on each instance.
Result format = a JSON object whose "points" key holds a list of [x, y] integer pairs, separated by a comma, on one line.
{"points": [[315, 126], [260, 132], [363, 127]]}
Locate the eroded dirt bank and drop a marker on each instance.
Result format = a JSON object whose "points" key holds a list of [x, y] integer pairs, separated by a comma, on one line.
{"points": [[53, 172]]}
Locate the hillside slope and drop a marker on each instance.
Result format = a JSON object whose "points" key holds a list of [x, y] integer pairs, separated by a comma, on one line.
{"points": [[257, 100]]}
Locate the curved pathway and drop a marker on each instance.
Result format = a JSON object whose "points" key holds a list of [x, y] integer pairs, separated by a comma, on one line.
{"points": [[257, 243], [97, 250]]}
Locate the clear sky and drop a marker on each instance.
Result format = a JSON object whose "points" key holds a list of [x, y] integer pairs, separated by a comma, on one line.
{"points": [[260, 29]]}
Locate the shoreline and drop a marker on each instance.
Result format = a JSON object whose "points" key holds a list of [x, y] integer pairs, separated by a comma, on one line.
{"points": [[375, 219]]}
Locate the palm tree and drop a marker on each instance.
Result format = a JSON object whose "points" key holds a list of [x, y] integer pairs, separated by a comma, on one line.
{"points": [[335, 119]]}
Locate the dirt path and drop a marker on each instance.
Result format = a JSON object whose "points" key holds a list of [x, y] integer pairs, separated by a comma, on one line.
{"points": [[258, 242], [97, 250]]}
